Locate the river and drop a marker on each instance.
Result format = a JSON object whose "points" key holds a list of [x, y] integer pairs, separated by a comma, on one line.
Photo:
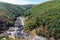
{"points": [[18, 30], [22, 21]]}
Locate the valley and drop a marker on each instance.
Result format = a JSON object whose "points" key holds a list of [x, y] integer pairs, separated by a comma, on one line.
{"points": [[30, 22]]}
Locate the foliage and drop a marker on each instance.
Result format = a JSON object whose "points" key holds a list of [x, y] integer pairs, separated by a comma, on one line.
{"points": [[47, 13], [30, 24], [44, 31], [12, 11]]}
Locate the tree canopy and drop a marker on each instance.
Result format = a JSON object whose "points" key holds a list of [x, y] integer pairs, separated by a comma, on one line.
{"points": [[45, 16]]}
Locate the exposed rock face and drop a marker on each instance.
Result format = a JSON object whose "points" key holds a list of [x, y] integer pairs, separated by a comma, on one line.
{"points": [[3, 23], [20, 21], [17, 30]]}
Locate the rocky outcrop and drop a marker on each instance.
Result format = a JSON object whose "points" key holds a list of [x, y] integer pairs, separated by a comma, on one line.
{"points": [[3, 23]]}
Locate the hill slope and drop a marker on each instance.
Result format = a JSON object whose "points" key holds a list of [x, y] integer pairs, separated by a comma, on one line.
{"points": [[12, 11], [46, 18]]}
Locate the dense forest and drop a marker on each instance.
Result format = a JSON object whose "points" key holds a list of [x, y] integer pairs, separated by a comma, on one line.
{"points": [[12, 11], [45, 18]]}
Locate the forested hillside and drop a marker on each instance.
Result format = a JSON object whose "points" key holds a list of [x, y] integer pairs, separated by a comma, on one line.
{"points": [[12, 11], [45, 18]]}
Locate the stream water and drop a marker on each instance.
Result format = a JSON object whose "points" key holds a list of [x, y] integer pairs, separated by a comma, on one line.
{"points": [[21, 22], [18, 30]]}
